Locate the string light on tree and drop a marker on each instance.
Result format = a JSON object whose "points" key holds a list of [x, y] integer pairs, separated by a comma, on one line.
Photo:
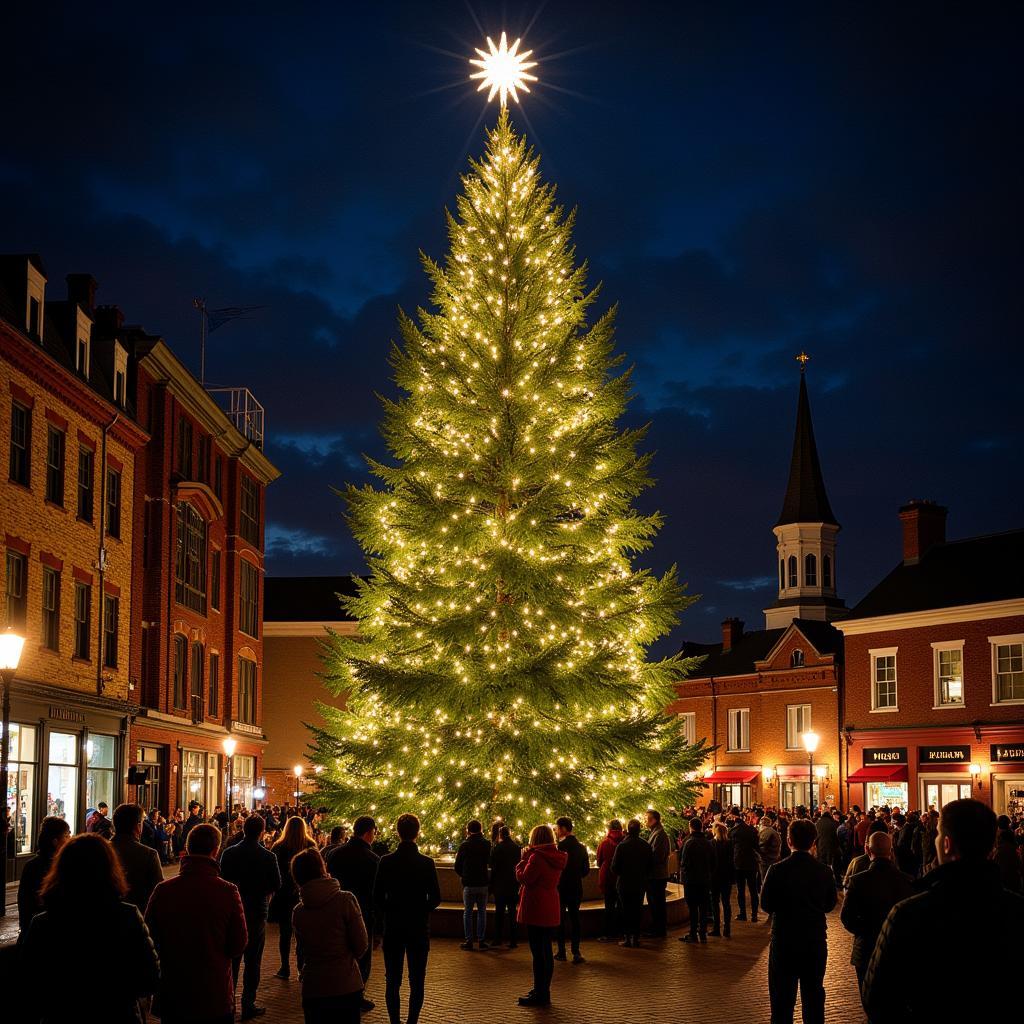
{"points": [[503, 70]]}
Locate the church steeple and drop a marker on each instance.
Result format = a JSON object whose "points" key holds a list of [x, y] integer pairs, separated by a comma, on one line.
{"points": [[806, 531]]}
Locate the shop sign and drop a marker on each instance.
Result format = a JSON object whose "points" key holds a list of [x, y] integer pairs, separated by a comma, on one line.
{"points": [[944, 755], [884, 755], [1007, 753]]}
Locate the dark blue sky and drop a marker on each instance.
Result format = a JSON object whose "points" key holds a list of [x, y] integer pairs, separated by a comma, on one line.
{"points": [[751, 180]]}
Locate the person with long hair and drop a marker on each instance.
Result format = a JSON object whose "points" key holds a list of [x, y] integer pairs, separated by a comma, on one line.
{"points": [[88, 929], [540, 908], [293, 840], [53, 834]]}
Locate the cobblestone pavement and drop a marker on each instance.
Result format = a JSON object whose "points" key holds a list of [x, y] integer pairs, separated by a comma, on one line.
{"points": [[724, 981]]}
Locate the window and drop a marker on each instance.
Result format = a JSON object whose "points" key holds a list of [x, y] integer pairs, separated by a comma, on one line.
{"points": [[55, 465], [85, 484], [101, 759], [215, 580], [810, 570], [203, 467], [798, 721], [21, 785], [883, 679], [782, 575], [113, 503], [1009, 668], [21, 444], [739, 729], [949, 674], [185, 448], [111, 612], [689, 730], [190, 561], [51, 609], [180, 654], [826, 571], [17, 589], [119, 387], [83, 615], [792, 571], [796, 659], [243, 771], [82, 357], [148, 793], [213, 686], [249, 520], [248, 598], [247, 691], [62, 778], [196, 672]]}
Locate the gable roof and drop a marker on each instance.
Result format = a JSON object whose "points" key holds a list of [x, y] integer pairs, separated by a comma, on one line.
{"points": [[307, 598], [806, 500], [971, 571]]}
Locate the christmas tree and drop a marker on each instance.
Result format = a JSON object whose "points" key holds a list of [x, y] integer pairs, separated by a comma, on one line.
{"points": [[500, 668]]}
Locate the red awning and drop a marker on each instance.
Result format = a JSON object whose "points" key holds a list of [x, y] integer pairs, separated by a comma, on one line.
{"points": [[880, 773], [742, 777], [788, 771]]}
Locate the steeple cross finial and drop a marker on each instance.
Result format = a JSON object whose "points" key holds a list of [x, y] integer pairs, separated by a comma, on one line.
{"points": [[803, 359]]}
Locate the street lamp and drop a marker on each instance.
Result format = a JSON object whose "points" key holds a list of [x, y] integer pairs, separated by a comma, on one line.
{"points": [[810, 741], [11, 644], [975, 770], [230, 744], [298, 777]]}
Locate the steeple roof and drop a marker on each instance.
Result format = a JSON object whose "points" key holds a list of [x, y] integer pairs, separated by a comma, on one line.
{"points": [[806, 500]]}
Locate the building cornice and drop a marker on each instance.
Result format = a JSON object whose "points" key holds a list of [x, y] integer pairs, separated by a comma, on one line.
{"points": [[165, 367], [317, 629], [931, 617]]}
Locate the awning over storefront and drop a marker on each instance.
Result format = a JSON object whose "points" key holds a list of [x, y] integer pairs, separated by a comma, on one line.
{"points": [[733, 777], [797, 773], [879, 773]]}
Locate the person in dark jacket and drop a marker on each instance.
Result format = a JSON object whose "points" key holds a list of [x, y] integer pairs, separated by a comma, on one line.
{"points": [[828, 840], [471, 864], [140, 864], [53, 834], [606, 881], [657, 839], [1006, 856], [570, 888], [723, 873], [254, 870], [798, 892], [505, 855], [355, 865], [872, 894], [963, 916], [194, 818], [744, 859], [695, 867], [86, 932], [99, 822], [631, 867], [540, 903], [405, 893]]}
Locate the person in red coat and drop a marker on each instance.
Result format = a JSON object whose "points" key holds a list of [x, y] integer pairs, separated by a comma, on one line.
{"points": [[540, 907], [606, 880], [198, 925]]}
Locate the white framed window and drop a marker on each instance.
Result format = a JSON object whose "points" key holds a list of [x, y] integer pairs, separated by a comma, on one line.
{"points": [[739, 729], [948, 668], [1007, 669], [883, 679], [798, 721], [689, 720]]}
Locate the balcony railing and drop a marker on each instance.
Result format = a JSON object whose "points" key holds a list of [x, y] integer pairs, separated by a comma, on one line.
{"points": [[243, 410]]}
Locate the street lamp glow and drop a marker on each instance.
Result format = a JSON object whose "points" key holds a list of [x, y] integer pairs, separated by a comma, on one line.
{"points": [[819, 771], [259, 793], [503, 69], [230, 745], [298, 771], [975, 770], [810, 741], [10, 650]]}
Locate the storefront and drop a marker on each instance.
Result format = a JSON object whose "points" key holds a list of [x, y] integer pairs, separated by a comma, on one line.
{"points": [[733, 788], [795, 789], [1007, 761], [883, 774], [943, 774], [200, 779]]}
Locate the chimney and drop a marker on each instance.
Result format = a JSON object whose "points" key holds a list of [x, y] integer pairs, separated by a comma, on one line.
{"points": [[82, 289], [109, 319], [732, 633], [924, 526]]}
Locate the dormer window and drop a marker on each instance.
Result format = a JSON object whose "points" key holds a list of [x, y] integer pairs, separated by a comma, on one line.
{"points": [[83, 328], [796, 659], [119, 387], [35, 294]]}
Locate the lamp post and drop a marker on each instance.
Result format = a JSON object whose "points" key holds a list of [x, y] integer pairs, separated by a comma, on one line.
{"points": [[11, 644], [230, 744], [810, 741], [298, 778]]}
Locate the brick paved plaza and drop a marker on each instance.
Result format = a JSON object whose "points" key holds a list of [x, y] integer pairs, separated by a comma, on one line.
{"points": [[724, 981]]}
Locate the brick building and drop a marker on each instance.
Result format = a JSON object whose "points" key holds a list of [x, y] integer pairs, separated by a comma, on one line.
{"points": [[298, 613], [70, 447], [756, 693], [933, 705]]}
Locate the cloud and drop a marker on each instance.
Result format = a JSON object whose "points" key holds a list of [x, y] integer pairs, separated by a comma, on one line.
{"points": [[753, 583]]}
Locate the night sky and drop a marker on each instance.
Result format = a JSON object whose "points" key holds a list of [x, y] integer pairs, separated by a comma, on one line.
{"points": [[752, 180]]}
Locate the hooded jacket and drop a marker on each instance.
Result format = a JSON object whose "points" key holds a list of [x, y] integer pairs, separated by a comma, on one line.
{"points": [[605, 852], [538, 874], [329, 924]]}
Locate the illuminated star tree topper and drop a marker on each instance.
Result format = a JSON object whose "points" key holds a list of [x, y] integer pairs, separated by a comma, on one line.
{"points": [[503, 70]]}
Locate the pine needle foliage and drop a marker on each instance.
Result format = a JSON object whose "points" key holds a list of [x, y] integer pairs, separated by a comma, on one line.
{"points": [[500, 668]]}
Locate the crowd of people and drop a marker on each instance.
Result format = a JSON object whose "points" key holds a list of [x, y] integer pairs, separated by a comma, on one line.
{"points": [[99, 905]]}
